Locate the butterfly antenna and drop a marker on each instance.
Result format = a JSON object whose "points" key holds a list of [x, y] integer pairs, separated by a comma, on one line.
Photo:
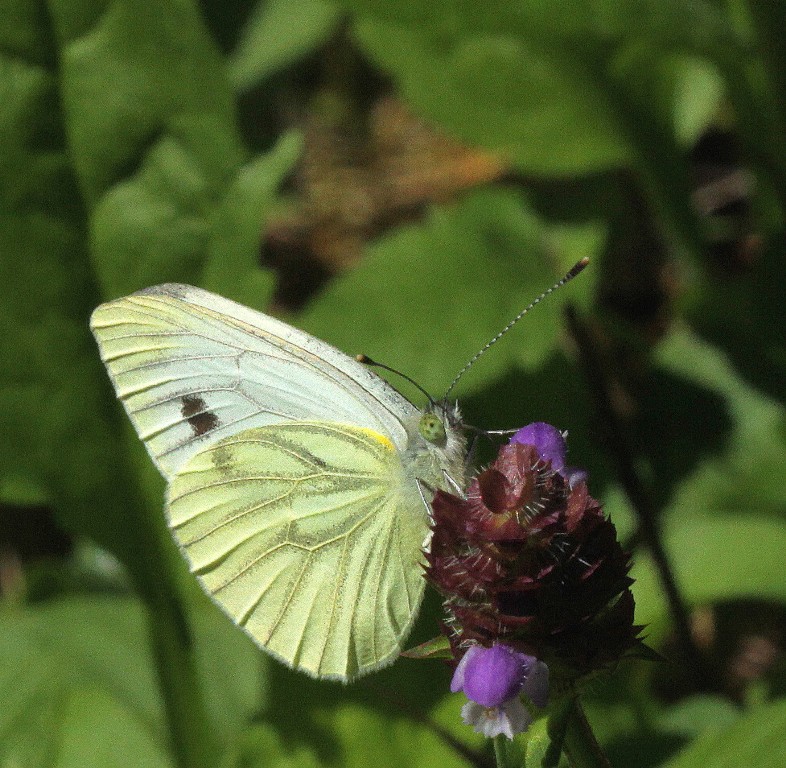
{"points": [[366, 360], [571, 273]]}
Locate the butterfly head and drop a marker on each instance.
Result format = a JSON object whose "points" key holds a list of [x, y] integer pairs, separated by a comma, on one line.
{"points": [[432, 429], [439, 430], [441, 446], [438, 422]]}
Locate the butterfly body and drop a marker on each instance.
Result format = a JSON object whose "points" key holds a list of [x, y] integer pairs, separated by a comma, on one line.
{"points": [[296, 475]]}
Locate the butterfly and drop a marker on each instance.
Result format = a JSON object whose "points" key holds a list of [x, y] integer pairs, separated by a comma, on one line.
{"points": [[297, 477]]}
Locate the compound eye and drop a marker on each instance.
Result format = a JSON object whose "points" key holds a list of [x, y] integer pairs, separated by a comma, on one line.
{"points": [[432, 429]]}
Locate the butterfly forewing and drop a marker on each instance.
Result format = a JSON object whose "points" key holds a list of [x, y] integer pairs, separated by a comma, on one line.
{"points": [[309, 536], [193, 368]]}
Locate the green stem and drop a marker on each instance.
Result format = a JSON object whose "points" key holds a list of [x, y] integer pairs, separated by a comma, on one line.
{"points": [[640, 496], [191, 735], [503, 754], [192, 740], [768, 20], [658, 164], [581, 746]]}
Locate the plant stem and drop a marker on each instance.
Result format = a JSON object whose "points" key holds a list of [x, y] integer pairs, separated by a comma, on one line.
{"points": [[192, 740], [192, 743], [767, 20], [581, 746], [503, 753], [641, 500]]}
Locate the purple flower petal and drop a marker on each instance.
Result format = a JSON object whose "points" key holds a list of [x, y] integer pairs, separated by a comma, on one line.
{"points": [[536, 686], [547, 440], [574, 476], [491, 676], [457, 683]]}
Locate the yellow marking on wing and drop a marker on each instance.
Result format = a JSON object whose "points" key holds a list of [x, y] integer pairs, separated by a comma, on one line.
{"points": [[379, 437]]}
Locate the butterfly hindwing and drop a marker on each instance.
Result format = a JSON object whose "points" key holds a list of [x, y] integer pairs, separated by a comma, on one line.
{"points": [[308, 536]]}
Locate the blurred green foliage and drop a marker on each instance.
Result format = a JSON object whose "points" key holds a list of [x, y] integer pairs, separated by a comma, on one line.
{"points": [[147, 141]]}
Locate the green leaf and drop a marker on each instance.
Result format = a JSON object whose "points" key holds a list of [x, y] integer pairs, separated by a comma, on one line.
{"points": [[56, 652], [436, 648], [716, 558], [743, 476], [538, 742], [131, 72], [539, 81], [369, 738], [154, 226], [54, 416], [232, 266], [277, 34], [698, 714], [537, 107], [460, 276], [403, 715], [724, 526], [756, 739], [260, 746], [78, 679], [698, 93], [736, 313], [96, 731], [562, 89], [667, 25]]}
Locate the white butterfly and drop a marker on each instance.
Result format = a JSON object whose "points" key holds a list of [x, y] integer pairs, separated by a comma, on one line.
{"points": [[294, 472]]}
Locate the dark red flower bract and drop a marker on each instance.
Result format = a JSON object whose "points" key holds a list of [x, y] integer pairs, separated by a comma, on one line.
{"points": [[528, 559]]}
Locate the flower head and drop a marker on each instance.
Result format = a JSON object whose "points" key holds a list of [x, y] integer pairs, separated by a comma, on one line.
{"points": [[529, 561]]}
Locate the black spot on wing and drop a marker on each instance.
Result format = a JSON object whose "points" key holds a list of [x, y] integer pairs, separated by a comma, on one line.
{"points": [[195, 411]]}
